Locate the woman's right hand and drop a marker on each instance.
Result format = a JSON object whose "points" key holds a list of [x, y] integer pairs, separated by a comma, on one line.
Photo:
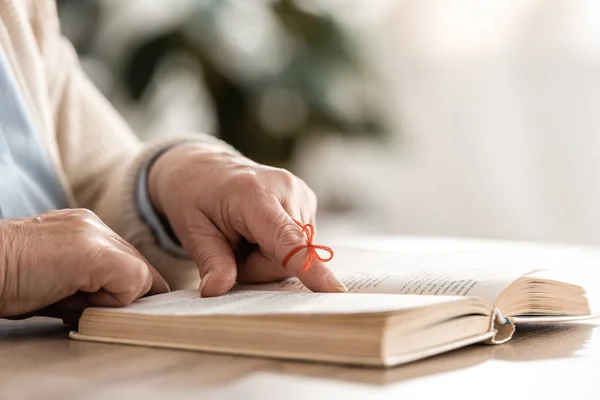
{"points": [[58, 254]]}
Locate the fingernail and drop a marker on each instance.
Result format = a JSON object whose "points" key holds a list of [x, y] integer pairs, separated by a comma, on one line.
{"points": [[335, 283], [203, 281], [167, 285]]}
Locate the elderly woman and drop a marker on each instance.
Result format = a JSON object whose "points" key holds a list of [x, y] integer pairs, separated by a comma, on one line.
{"points": [[88, 212]]}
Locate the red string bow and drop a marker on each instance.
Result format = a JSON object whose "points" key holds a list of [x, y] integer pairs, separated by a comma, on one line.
{"points": [[309, 231]]}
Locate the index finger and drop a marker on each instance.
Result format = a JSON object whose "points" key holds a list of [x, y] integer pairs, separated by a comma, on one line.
{"points": [[278, 235]]}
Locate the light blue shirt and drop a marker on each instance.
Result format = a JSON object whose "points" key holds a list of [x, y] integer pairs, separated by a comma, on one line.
{"points": [[29, 184]]}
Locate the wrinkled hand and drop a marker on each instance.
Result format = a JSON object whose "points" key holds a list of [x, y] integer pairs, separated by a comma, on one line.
{"points": [[234, 217], [52, 257]]}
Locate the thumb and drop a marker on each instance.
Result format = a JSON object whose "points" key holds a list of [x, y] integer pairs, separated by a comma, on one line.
{"points": [[215, 260]]}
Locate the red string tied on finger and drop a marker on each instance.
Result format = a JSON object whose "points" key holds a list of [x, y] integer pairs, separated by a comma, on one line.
{"points": [[312, 254]]}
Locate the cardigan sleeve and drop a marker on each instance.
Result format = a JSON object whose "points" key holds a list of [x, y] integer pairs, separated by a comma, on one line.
{"points": [[101, 157]]}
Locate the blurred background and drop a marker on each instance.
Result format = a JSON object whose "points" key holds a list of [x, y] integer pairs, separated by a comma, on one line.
{"points": [[462, 118]]}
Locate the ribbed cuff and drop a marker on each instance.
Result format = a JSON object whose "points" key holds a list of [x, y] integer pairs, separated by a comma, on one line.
{"points": [[160, 227]]}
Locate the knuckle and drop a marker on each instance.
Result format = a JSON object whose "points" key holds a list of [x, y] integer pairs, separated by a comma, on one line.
{"points": [[246, 181], [133, 271], [205, 258], [286, 177], [101, 256], [137, 273], [94, 255], [84, 213], [99, 251], [289, 235], [82, 220], [84, 229]]}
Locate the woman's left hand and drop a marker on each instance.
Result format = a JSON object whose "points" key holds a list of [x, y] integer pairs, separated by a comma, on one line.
{"points": [[235, 218]]}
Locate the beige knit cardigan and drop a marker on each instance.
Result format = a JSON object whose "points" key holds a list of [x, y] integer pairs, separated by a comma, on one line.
{"points": [[96, 155]]}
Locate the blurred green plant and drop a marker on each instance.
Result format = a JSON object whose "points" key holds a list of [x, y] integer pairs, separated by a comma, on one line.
{"points": [[275, 72]]}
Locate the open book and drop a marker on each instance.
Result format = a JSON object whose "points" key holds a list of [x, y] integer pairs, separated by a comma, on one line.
{"points": [[401, 306]]}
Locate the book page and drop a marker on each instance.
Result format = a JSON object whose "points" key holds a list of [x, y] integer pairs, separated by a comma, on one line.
{"points": [[578, 267], [483, 274], [255, 302]]}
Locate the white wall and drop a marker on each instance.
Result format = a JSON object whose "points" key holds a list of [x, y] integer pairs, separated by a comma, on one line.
{"points": [[496, 107]]}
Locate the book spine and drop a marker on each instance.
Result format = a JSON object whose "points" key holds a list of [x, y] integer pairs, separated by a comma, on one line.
{"points": [[503, 327]]}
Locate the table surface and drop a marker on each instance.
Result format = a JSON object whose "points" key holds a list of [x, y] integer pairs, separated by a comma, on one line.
{"points": [[38, 361]]}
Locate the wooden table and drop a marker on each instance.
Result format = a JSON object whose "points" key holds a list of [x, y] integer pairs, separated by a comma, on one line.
{"points": [[38, 361]]}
